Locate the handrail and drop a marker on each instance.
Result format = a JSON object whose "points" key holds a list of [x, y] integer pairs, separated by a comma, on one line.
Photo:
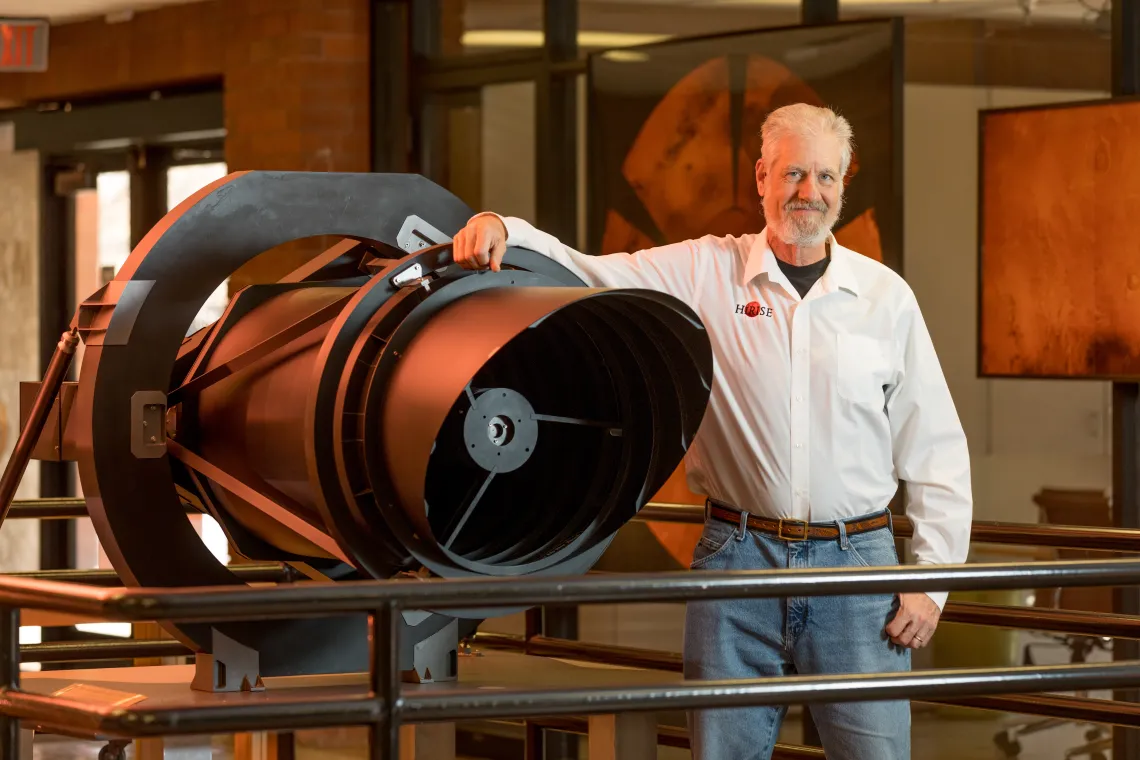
{"points": [[386, 706], [316, 600], [984, 531], [1028, 618], [90, 651], [1044, 705], [1071, 622], [667, 736], [261, 572], [472, 704], [306, 711]]}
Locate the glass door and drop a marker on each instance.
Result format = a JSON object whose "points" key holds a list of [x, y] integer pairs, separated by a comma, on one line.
{"points": [[103, 232]]}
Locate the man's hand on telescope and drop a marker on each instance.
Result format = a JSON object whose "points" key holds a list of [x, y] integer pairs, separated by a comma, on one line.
{"points": [[481, 243]]}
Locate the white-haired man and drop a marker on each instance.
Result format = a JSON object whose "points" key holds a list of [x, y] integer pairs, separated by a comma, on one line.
{"points": [[827, 391]]}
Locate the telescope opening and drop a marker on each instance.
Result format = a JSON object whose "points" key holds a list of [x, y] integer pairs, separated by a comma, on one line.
{"points": [[521, 461]]}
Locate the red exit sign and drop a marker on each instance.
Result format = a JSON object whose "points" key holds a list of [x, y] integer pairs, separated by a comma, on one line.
{"points": [[23, 44]]}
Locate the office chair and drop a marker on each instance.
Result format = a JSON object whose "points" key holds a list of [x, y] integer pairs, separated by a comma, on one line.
{"points": [[1069, 507]]}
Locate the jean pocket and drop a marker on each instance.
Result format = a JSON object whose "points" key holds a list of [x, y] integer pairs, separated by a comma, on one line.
{"points": [[874, 549], [716, 539]]}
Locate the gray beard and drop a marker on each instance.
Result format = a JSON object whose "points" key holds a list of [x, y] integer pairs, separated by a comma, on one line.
{"points": [[805, 234]]}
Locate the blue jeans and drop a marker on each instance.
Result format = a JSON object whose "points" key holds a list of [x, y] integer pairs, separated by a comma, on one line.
{"points": [[762, 638]]}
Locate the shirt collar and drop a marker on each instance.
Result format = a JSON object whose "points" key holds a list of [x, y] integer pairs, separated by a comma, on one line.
{"points": [[838, 275]]}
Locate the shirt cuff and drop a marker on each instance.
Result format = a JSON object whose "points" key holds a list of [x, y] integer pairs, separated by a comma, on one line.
{"points": [[938, 597], [516, 228]]}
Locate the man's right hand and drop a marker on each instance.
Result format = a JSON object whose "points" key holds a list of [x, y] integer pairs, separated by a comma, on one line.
{"points": [[481, 243]]}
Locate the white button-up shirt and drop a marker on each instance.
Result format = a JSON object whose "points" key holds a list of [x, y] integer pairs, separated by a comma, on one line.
{"points": [[819, 404]]}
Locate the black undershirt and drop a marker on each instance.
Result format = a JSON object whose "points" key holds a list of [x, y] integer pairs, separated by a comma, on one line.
{"points": [[802, 278]]}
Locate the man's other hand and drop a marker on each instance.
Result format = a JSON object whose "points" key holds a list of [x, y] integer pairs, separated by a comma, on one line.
{"points": [[913, 625], [481, 243]]}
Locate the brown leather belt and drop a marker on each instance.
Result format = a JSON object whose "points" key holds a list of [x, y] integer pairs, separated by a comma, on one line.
{"points": [[795, 530]]}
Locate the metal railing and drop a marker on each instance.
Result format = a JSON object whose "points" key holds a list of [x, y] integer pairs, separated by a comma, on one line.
{"points": [[984, 531], [261, 572], [384, 707], [667, 736], [1071, 708], [1043, 575]]}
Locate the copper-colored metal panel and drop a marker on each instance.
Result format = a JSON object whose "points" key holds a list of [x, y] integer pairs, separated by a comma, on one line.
{"points": [[1059, 276], [53, 445], [251, 423]]}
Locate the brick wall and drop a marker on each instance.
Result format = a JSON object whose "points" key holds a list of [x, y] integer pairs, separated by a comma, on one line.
{"points": [[295, 75], [296, 98], [176, 44]]}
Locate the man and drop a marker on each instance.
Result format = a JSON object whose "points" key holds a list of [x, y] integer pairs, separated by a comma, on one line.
{"points": [[827, 391]]}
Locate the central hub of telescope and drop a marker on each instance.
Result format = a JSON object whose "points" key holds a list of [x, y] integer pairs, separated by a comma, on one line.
{"points": [[500, 430]]}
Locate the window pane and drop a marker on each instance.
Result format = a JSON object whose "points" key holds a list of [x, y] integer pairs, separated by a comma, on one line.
{"points": [[181, 183], [114, 189]]}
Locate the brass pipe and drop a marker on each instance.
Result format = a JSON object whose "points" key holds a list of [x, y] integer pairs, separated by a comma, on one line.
{"points": [[1015, 534], [544, 646], [1070, 622], [667, 736], [56, 508], [1043, 705], [1073, 622], [41, 408], [1077, 709], [606, 654]]}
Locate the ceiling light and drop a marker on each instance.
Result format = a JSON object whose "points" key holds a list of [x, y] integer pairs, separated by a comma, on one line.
{"points": [[626, 56], [535, 38]]}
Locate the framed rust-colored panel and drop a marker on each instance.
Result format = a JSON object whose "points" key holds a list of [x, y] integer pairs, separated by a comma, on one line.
{"points": [[674, 134], [1059, 241]]}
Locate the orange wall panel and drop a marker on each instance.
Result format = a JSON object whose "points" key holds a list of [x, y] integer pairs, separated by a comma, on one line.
{"points": [[1059, 236]]}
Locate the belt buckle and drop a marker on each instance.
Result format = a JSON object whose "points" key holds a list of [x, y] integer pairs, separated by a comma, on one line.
{"points": [[780, 530]]}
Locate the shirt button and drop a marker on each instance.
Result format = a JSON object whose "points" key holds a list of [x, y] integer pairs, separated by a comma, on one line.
{"points": [[799, 398], [799, 445]]}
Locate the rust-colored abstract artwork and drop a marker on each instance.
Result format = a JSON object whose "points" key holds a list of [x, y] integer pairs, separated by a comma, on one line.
{"points": [[675, 134], [1059, 271]]}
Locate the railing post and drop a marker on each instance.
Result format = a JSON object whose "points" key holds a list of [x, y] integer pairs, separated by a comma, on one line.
{"points": [[384, 639], [10, 679]]}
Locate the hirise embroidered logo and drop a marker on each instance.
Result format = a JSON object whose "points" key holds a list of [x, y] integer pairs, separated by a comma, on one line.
{"points": [[754, 309]]}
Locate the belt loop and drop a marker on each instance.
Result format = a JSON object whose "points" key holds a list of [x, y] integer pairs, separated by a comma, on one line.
{"points": [[890, 522], [743, 525], [844, 544]]}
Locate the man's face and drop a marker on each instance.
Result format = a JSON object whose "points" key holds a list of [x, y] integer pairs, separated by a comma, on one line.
{"points": [[802, 189]]}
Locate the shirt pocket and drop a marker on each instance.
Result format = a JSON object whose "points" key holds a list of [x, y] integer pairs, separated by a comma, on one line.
{"points": [[865, 368]]}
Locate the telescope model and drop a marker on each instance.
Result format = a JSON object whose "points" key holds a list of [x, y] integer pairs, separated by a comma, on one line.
{"points": [[379, 413]]}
